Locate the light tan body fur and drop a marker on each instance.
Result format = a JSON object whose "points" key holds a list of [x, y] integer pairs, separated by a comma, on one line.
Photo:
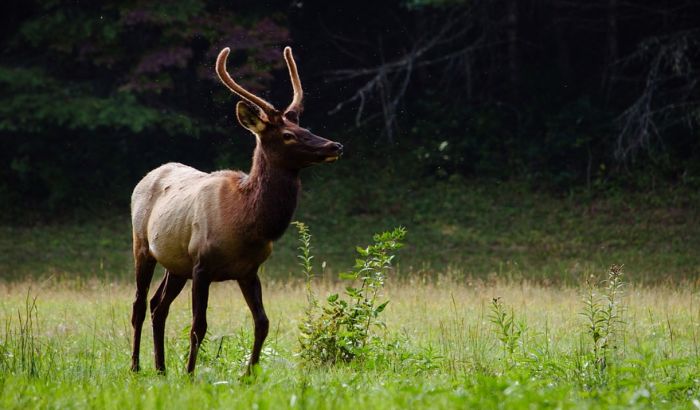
{"points": [[178, 218]]}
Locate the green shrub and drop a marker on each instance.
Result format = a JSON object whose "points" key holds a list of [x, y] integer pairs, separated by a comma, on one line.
{"points": [[341, 329]]}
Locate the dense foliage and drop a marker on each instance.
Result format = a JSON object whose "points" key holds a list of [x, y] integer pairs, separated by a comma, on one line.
{"points": [[567, 94], [95, 94]]}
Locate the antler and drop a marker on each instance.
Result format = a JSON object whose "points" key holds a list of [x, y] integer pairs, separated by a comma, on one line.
{"points": [[233, 86], [296, 105]]}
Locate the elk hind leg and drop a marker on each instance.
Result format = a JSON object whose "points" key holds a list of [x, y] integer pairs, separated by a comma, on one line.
{"points": [[144, 266], [169, 288], [200, 299]]}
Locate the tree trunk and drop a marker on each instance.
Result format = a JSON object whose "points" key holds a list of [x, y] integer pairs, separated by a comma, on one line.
{"points": [[512, 32], [563, 57], [613, 48]]}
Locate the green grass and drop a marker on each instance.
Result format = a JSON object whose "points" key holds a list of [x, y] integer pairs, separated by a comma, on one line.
{"points": [[468, 228], [443, 352], [468, 242]]}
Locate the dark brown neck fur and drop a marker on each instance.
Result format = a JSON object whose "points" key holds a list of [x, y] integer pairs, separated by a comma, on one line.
{"points": [[273, 194]]}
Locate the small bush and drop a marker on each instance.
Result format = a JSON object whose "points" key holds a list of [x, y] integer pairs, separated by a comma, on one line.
{"points": [[341, 329]]}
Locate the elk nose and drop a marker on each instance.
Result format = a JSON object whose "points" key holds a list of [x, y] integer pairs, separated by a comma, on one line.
{"points": [[339, 147]]}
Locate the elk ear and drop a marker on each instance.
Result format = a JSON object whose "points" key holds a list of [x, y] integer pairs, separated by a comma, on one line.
{"points": [[292, 116], [250, 118]]}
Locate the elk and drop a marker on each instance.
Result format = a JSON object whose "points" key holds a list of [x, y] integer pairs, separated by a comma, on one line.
{"points": [[220, 226]]}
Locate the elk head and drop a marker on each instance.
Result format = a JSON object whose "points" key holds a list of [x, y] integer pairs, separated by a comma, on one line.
{"points": [[284, 142]]}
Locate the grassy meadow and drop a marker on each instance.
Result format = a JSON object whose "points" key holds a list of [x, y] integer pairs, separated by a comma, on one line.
{"points": [[66, 293], [71, 350], [466, 228]]}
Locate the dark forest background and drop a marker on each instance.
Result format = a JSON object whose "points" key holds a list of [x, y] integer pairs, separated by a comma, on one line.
{"points": [[564, 95]]}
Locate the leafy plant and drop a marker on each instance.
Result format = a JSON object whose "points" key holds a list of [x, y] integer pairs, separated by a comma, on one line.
{"points": [[603, 311], [508, 330], [341, 329], [305, 260]]}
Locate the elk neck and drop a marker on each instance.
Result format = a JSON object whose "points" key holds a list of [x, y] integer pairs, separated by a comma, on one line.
{"points": [[273, 194]]}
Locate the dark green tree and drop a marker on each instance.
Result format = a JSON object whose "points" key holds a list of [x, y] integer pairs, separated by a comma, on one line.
{"points": [[91, 94]]}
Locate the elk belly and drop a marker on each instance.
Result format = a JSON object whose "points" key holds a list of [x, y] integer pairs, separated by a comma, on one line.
{"points": [[169, 232]]}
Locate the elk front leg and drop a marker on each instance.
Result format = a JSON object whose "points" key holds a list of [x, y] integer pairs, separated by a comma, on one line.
{"points": [[144, 266], [160, 306], [252, 292], [200, 298]]}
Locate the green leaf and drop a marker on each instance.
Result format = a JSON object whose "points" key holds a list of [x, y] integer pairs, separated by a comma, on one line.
{"points": [[347, 275], [381, 307]]}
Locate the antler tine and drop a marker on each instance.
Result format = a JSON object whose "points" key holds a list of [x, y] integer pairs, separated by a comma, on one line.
{"points": [[296, 104], [233, 86]]}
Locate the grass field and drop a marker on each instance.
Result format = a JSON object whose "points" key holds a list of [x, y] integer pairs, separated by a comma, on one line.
{"points": [[72, 351], [468, 243], [467, 228]]}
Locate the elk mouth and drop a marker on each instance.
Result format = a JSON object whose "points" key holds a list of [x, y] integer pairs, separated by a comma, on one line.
{"points": [[335, 155]]}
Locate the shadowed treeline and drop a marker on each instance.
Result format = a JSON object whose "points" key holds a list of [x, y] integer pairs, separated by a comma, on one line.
{"points": [[563, 94]]}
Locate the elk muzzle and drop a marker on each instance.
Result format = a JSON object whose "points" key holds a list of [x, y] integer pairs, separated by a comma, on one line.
{"points": [[336, 150]]}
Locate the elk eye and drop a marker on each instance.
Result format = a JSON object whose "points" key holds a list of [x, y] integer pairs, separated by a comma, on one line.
{"points": [[287, 136]]}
